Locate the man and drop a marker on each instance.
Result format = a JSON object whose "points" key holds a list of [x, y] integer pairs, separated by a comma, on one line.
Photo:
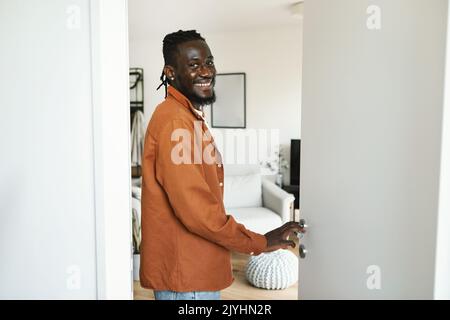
{"points": [[186, 234]]}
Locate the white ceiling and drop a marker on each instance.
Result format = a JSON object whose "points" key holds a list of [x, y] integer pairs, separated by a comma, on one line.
{"points": [[149, 18]]}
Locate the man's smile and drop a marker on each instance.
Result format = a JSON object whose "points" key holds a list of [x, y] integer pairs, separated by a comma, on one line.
{"points": [[204, 83]]}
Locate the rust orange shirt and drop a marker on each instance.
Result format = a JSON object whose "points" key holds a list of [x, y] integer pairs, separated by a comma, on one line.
{"points": [[187, 235]]}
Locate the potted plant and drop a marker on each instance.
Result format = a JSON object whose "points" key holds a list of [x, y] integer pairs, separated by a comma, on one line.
{"points": [[136, 244], [275, 164], [283, 166]]}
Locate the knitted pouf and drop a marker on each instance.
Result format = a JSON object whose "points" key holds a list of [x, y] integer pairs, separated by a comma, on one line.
{"points": [[273, 270]]}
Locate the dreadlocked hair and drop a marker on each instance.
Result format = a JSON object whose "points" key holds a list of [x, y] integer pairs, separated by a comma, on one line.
{"points": [[170, 49]]}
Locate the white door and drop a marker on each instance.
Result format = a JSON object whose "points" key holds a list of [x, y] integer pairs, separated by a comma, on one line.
{"points": [[373, 81]]}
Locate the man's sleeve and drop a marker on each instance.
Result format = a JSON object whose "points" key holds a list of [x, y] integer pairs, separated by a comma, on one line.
{"points": [[191, 198]]}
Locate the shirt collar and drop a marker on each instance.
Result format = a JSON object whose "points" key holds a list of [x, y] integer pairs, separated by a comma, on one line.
{"points": [[177, 95]]}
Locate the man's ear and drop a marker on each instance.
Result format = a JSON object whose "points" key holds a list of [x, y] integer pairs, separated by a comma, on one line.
{"points": [[169, 71]]}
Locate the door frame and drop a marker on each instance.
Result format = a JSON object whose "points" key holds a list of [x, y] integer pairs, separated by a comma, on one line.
{"points": [[111, 134], [442, 264]]}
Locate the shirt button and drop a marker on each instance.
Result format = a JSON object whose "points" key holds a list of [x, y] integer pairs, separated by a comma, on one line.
{"points": [[252, 253], [219, 165], [221, 184]]}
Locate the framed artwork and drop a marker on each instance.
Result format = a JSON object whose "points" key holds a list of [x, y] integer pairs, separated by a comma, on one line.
{"points": [[229, 109]]}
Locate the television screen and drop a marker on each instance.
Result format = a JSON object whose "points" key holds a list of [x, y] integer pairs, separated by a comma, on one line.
{"points": [[295, 161]]}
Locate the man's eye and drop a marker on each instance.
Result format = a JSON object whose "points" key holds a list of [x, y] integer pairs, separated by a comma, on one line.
{"points": [[210, 63], [193, 65]]}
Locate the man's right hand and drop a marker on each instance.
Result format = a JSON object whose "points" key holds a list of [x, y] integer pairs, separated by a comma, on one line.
{"points": [[278, 238]]}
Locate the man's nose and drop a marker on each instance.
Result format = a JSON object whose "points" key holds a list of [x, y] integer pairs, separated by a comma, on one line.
{"points": [[206, 71]]}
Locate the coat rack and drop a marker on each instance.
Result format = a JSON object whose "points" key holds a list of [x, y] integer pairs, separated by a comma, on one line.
{"points": [[136, 103], [136, 90]]}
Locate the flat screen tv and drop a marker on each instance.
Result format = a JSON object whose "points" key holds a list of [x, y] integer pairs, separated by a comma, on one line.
{"points": [[295, 162]]}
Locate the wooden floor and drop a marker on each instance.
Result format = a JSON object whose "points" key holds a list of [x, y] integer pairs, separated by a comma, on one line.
{"points": [[241, 289]]}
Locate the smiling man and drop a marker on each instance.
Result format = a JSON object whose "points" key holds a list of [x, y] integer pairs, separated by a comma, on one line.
{"points": [[187, 235]]}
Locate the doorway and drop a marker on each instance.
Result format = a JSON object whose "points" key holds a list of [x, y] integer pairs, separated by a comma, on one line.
{"points": [[260, 40]]}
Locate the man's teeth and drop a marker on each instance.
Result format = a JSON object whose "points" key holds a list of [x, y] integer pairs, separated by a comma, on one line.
{"points": [[203, 84]]}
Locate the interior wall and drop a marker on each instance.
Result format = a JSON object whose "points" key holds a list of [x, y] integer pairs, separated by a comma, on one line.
{"points": [[271, 59], [47, 212], [65, 216]]}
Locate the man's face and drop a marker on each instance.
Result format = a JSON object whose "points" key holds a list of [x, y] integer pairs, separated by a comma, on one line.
{"points": [[194, 72]]}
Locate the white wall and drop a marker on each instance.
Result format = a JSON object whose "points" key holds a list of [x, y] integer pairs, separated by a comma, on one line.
{"points": [[65, 217], [271, 59], [47, 228]]}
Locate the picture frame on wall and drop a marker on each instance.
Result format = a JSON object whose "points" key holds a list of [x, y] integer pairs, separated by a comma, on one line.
{"points": [[229, 110]]}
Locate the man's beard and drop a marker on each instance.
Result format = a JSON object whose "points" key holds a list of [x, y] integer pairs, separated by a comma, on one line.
{"points": [[196, 100]]}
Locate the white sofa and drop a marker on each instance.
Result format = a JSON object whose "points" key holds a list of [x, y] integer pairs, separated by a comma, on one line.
{"points": [[255, 201]]}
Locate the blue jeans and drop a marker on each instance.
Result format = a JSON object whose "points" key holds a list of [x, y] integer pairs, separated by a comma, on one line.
{"points": [[193, 295]]}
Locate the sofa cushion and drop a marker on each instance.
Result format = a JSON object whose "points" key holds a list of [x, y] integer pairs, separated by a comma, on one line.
{"points": [[259, 219], [243, 191]]}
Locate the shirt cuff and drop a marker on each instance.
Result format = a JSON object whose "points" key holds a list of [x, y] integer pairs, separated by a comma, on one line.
{"points": [[260, 244]]}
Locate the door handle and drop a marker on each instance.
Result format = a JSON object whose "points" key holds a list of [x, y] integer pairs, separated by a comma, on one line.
{"points": [[303, 225], [302, 251]]}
